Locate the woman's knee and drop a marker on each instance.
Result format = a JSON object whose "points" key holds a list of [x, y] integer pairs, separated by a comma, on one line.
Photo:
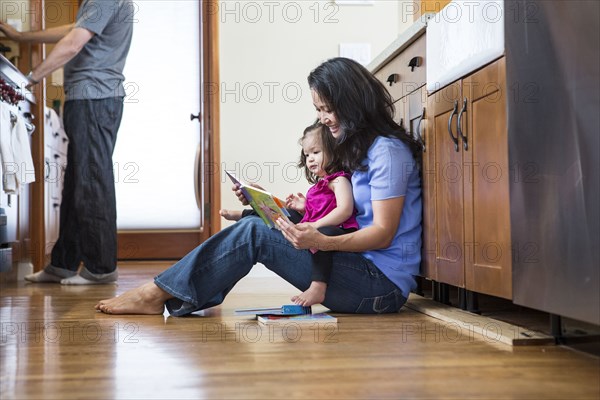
{"points": [[252, 224], [256, 231]]}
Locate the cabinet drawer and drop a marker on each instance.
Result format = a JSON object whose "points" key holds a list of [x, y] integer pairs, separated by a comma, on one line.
{"points": [[408, 79]]}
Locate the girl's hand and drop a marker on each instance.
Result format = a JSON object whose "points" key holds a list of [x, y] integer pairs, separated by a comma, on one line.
{"points": [[296, 202], [301, 236]]}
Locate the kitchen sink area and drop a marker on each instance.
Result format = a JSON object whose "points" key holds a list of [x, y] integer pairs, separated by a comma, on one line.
{"points": [[462, 38]]}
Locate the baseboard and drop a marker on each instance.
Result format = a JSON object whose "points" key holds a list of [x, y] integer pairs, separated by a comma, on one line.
{"points": [[491, 330]]}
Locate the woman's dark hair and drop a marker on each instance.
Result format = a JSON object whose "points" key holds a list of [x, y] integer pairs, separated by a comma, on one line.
{"points": [[363, 107], [328, 145]]}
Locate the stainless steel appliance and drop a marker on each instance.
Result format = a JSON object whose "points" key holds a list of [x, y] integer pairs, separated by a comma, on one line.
{"points": [[552, 52]]}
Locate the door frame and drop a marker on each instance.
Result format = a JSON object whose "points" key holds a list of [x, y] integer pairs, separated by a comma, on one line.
{"points": [[132, 245], [34, 248], [174, 244]]}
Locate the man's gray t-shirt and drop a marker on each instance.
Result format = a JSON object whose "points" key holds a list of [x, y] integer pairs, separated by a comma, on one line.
{"points": [[96, 72]]}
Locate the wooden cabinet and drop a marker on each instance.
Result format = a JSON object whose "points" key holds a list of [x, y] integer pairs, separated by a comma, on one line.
{"points": [[407, 87], [399, 78], [466, 177], [428, 261], [410, 110], [410, 104], [428, 6]]}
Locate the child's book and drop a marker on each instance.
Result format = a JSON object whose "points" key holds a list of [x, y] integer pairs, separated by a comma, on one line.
{"points": [[289, 309], [309, 319], [268, 207]]}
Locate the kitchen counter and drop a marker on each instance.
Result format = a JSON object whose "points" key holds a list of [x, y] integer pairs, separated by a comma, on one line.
{"points": [[403, 40]]}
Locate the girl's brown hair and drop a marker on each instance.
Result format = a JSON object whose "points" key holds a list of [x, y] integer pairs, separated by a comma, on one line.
{"points": [[328, 146]]}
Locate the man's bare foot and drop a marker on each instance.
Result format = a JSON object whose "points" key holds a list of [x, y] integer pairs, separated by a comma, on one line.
{"points": [[231, 215], [315, 294], [146, 299]]}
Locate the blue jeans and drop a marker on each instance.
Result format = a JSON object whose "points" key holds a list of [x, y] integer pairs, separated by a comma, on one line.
{"points": [[203, 278], [88, 211]]}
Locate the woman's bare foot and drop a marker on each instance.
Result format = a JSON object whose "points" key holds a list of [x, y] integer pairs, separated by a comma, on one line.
{"points": [[231, 215], [315, 294], [146, 299]]}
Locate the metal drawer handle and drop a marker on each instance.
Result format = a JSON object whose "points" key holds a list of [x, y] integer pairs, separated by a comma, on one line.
{"points": [[459, 126], [454, 111], [420, 136], [414, 62]]}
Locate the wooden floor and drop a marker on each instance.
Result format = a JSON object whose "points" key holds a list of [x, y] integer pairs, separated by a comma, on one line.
{"points": [[54, 345]]}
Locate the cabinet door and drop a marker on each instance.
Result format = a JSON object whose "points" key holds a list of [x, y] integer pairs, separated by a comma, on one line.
{"points": [[442, 111], [487, 211], [422, 129]]}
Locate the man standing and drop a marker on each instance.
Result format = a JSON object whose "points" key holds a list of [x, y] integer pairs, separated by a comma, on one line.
{"points": [[93, 51]]}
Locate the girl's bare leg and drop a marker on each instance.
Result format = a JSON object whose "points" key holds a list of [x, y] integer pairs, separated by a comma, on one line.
{"points": [[145, 299], [231, 215]]}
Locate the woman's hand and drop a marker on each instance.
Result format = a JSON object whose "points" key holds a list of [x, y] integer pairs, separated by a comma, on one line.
{"points": [[296, 202], [302, 236], [240, 195]]}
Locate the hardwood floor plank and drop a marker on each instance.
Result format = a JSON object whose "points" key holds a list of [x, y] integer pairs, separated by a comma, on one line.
{"points": [[54, 345]]}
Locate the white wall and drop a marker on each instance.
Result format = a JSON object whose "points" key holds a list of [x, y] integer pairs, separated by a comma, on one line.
{"points": [[267, 50]]}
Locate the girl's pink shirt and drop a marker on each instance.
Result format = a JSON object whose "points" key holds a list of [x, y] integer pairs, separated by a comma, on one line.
{"points": [[320, 201]]}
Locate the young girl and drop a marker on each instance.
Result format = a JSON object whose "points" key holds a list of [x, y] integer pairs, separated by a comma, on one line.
{"points": [[328, 205]]}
